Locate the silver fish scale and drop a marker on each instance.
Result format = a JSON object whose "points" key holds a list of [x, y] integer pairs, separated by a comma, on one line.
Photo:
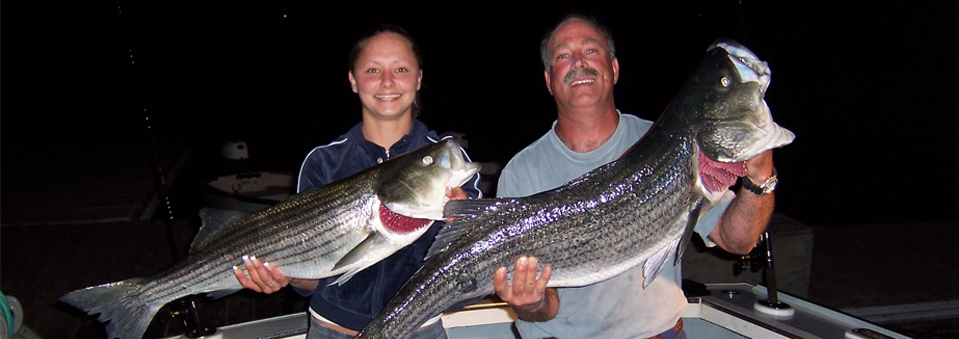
{"points": [[584, 238], [304, 237], [597, 234]]}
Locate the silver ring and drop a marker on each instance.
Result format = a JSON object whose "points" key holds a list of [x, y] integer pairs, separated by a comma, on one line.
{"points": [[271, 284]]}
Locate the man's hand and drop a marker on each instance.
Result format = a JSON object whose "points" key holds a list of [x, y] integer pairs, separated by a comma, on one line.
{"points": [[748, 214], [760, 167], [528, 295]]}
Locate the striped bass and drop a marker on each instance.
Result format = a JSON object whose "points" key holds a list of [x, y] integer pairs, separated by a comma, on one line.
{"points": [[340, 228], [636, 210]]}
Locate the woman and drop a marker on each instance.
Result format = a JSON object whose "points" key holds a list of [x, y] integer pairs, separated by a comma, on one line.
{"points": [[385, 72]]}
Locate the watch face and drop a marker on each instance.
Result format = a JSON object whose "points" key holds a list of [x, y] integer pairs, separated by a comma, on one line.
{"points": [[770, 185]]}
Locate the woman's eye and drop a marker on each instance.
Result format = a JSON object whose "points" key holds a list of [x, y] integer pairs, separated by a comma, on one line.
{"points": [[401, 70], [372, 70]]}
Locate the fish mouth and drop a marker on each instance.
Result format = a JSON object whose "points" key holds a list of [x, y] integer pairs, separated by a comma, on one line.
{"points": [[387, 97], [461, 169], [418, 188]]}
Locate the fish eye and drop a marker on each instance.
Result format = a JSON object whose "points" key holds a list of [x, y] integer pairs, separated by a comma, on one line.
{"points": [[427, 160], [724, 81]]}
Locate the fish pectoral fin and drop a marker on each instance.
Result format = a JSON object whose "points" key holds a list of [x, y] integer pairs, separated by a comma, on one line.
{"points": [[222, 293], [362, 256], [688, 234], [358, 251], [343, 278], [655, 264]]}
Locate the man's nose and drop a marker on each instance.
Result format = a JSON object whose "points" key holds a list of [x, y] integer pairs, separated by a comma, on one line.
{"points": [[579, 60]]}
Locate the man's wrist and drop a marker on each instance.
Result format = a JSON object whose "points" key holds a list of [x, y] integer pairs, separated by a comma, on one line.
{"points": [[536, 312], [761, 187], [533, 308]]}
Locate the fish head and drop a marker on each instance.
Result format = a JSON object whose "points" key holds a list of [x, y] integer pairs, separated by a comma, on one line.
{"points": [[414, 184], [738, 124]]}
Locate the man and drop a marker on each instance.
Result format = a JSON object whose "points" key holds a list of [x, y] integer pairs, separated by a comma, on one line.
{"points": [[580, 71]]}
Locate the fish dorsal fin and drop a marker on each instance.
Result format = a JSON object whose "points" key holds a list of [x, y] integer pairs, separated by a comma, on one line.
{"points": [[470, 207], [446, 236], [655, 264], [462, 210], [688, 234], [214, 220]]}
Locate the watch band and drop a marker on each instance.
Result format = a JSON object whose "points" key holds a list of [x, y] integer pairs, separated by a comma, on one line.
{"points": [[765, 188]]}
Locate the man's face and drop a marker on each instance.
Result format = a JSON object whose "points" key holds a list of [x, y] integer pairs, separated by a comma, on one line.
{"points": [[582, 73]]}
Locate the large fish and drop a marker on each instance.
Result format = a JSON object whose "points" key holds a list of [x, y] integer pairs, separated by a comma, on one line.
{"points": [[340, 228], [632, 211]]}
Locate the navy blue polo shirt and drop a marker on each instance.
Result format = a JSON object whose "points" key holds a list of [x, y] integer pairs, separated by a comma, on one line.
{"points": [[355, 303]]}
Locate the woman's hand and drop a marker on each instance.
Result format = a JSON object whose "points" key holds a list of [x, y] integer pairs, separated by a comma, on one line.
{"points": [[263, 277]]}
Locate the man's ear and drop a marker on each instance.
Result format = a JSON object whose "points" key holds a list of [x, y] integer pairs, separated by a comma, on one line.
{"points": [[615, 70], [549, 86]]}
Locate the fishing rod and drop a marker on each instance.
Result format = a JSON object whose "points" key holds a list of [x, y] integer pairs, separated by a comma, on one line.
{"points": [[186, 306]]}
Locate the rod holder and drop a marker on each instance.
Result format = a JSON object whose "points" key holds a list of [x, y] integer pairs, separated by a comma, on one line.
{"points": [[772, 305]]}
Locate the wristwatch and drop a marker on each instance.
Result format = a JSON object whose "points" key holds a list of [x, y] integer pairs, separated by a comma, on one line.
{"points": [[765, 188]]}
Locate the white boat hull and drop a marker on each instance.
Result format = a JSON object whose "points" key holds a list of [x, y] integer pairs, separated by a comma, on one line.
{"points": [[249, 192], [727, 312]]}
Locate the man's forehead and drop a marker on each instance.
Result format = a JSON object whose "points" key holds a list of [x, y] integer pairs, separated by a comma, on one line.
{"points": [[577, 31]]}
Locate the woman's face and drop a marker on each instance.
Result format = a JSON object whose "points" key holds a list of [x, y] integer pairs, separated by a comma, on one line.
{"points": [[386, 76]]}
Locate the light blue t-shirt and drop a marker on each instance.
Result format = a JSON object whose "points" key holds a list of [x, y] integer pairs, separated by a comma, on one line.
{"points": [[619, 307]]}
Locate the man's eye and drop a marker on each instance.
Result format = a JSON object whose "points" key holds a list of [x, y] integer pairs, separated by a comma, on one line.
{"points": [[592, 50], [401, 70], [372, 70], [562, 56]]}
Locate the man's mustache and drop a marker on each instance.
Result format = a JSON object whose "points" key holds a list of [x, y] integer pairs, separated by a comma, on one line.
{"points": [[576, 73]]}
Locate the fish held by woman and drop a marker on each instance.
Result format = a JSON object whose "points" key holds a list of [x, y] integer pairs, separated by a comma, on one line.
{"points": [[338, 229]]}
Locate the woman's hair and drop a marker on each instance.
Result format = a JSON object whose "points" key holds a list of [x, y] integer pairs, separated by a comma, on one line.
{"points": [[389, 28]]}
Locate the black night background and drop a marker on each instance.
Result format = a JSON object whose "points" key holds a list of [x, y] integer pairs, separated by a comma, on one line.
{"points": [[870, 91], [869, 88]]}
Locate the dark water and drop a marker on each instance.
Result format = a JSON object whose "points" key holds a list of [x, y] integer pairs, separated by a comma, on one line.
{"points": [[870, 91]]}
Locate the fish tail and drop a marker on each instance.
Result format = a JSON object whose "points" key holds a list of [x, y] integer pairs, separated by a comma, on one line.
{"points": [[119, 303]]}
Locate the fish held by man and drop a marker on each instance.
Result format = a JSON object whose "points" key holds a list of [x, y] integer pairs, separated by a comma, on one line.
{"points": [[338, 229], [632, 211]]}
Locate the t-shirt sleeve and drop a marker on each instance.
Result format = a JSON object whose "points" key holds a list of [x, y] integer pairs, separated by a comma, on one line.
{"points": [[709, 220], [511, 184]]}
